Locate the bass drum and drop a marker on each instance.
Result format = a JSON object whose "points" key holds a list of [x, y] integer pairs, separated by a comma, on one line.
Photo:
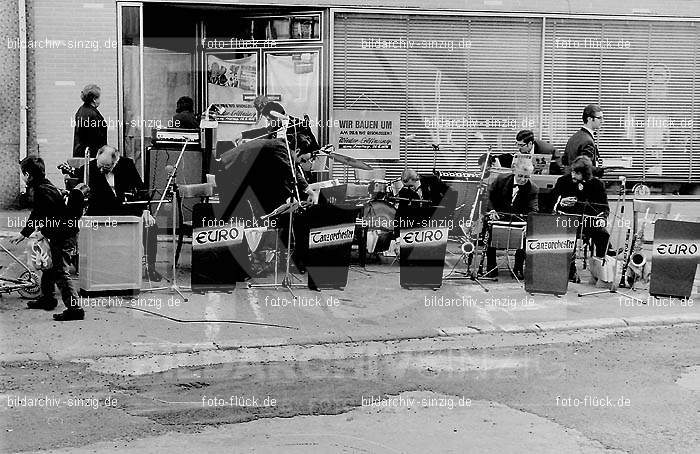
{"points": [[379, 217]]}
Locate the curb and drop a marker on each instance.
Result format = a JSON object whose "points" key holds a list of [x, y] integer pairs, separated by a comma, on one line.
{"points": [[148, 350]]}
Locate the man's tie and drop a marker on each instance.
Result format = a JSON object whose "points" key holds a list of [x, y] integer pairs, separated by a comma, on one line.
{"points": [[516, 188]]}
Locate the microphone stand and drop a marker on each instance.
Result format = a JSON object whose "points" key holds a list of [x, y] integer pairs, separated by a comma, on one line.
{"points": [[287, 279], [468, 258], [171, 187]]}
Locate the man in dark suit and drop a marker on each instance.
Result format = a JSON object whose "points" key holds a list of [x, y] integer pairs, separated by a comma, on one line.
{"points": [[583, 195], [583, 142], [511, 198], [527, 144], [113, 180]]}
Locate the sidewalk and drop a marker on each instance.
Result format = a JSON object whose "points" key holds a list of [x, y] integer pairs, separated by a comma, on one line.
{"points": [[372, 307]]}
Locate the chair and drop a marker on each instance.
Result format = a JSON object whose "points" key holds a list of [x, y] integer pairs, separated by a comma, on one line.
{"points": [[201, 191], [646, 213]]}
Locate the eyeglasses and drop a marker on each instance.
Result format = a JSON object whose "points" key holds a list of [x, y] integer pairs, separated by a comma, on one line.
{"points": [[520, 145], [598, 118]]}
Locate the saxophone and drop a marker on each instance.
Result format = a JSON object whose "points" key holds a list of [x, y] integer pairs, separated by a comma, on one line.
{"points": [[639, 268]]}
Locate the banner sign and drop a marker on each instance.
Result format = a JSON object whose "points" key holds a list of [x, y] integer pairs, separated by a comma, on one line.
{"points": [[549, 248], [365, 134], [232, 87], [675, 257], [219, 254], [331, 236], [417, 238], [207, 238], [330, 231], [422, 250]]}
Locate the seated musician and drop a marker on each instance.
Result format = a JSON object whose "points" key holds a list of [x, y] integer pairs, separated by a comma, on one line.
{"points": [[527, 144], [511, 198], [582, 194], [114, 180], [412, 189]]}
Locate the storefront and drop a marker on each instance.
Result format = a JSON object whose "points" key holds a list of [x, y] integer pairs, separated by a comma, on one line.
{"points": [[464, 81], [413, 75]]}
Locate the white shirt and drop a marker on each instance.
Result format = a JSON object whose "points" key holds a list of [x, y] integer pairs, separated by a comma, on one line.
{"points": [[110, 180]]}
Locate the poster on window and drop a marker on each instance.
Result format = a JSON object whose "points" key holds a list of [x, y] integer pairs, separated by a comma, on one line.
{"points": [[292, 79], [231, 88], [366, 134]]}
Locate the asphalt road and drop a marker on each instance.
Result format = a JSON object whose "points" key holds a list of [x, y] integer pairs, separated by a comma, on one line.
{"points": [[632, 390]]}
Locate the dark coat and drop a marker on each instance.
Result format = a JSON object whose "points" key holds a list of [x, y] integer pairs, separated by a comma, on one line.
{"points": [[501, 196], [540, 147], [49, 212], [185, 120], [257, 172], [592, 196], [90, 131], [103, 201], [580, 144]]}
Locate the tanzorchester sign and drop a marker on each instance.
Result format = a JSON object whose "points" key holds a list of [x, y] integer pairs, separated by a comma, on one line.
{"points": [[535, 245], [331, 236]]}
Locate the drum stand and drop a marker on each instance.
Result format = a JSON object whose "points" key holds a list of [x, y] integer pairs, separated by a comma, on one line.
{"points": [[507, 249], [613, 285], [171, 188]]}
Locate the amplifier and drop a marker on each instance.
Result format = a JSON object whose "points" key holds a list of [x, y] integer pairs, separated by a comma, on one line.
{"points": [[175, 137], [190, 171]]}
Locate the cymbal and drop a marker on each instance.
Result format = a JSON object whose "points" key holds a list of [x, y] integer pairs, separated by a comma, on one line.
{"points": [[348, 161]]}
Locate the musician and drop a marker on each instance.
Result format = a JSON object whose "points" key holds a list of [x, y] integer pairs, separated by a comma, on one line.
{"points": [[113, 180], [583, 142], [527, 144], [50, 216], [90, 127], [582, 194], [511, 198], [421, 187], [184, 114]]}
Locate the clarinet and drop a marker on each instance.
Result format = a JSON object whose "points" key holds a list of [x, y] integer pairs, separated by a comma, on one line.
{"points": [[625, 258], [485, 239]]}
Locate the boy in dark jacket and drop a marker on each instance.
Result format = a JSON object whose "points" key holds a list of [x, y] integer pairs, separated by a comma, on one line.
{"points": [[50, 217]]}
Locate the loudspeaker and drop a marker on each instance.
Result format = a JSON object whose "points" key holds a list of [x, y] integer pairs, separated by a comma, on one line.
{"points": [[189, 172]]}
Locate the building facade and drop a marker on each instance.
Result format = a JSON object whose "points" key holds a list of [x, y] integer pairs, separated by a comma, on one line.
{"points": [[443, 82]]}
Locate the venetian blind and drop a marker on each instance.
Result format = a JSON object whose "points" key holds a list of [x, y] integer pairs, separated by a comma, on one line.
{"points": [[464, 82], [644, 76]]}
